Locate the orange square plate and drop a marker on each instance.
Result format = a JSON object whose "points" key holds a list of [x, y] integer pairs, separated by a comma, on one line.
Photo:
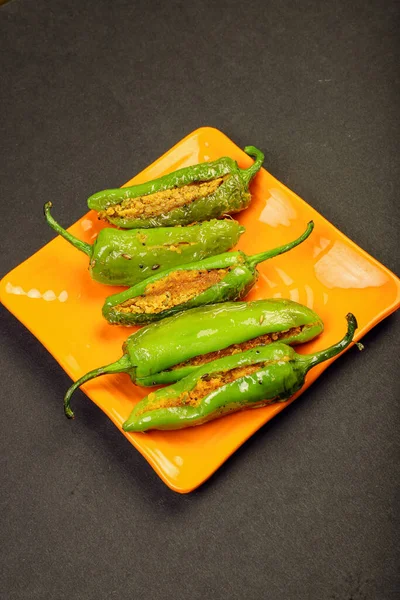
{"points": [[52, 294]]}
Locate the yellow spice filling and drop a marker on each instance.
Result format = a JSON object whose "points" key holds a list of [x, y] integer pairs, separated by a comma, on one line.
{"points": [[202, 388], [261, 340], [158, 203], [176, 288]]}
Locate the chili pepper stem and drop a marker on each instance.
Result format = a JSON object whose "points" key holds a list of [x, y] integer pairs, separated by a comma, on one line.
{"points": [[120, 366], [322, 355], [248, 174], [79, 244], [258, 258]]}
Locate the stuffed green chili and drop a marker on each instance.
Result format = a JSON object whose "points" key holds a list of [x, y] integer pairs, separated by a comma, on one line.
{"points": [[170, 349], [221, 278], [127, 257], [204, 191], [251, 379]]}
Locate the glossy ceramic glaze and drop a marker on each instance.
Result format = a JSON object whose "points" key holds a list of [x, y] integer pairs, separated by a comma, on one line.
{"points": [[53, 295]]}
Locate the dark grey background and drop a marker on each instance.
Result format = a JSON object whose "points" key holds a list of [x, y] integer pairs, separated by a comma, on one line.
{"points": [[91, 93]]}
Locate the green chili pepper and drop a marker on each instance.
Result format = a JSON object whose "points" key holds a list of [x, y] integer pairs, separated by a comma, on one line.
{"points": [[198, 193], [199, 335], [126, 257], [221, 278], [250, 379]]}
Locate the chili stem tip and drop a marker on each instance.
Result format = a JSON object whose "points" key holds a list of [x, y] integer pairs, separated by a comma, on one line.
{"points": [[68, 412], [119, 366], [257, 258], [79, 244], [322, 355], [352, 321]]}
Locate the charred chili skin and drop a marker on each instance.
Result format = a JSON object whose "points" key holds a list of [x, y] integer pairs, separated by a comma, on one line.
{"points": [[128, 257], [150, 352], [281, 374], [235, 285], [232, 195]]}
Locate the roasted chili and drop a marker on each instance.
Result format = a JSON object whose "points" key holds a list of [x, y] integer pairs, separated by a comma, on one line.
{"points": [[221, 278], [127, 257], [152, 352], [204, 191], [251, 379]]}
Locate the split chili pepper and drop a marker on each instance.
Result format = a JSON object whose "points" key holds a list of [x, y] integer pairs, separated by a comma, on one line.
{"points": [[166, 351], [250, 379], [197, 193], [127, 257], [221, 278]]}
